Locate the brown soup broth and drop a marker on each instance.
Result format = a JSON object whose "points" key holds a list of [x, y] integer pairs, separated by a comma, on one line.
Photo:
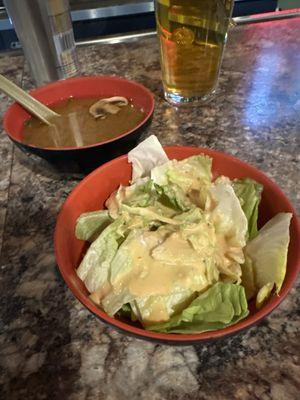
{"points": [[76, 127]]}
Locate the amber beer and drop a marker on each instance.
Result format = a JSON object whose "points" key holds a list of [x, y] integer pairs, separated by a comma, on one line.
{"points": [[192, 35]]}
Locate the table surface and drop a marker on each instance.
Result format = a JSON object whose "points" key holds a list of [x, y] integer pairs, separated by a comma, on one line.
{"points": [[51, 346]]}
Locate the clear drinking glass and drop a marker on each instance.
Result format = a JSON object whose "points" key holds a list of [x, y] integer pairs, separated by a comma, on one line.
{"points": [[192, 36]]}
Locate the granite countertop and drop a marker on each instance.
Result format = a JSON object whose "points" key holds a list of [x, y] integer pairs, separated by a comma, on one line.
{"points": [[51, 346]]}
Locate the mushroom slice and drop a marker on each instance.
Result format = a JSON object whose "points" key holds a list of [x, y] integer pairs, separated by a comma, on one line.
{"points": [[118, 100], [111, 105]]}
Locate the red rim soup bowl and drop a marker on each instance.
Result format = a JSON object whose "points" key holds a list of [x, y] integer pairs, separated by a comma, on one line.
{"points": [[90, 194], [83, 87]]}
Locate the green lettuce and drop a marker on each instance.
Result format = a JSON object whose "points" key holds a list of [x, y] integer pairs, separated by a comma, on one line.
{"points": [[230, 223], [221, 305], [173, 196], [160, 247], [113, 302], [161, 213], [150, 194], [146, 194], [122, 266], [193, 216], [192, 175], [226, 213], [141, 195], [263, 294], [268, 252], [114, 202], [146, 307], [248, 278], [90, 225], [94, 268], [173, 247], [249, 192]]}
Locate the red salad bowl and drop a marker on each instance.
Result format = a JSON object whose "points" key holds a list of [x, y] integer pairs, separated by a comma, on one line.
{"points": [[90, 195], [89, 156]]}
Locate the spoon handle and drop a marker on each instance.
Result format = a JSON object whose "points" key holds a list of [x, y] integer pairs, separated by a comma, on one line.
{"points": [[24, 99]]}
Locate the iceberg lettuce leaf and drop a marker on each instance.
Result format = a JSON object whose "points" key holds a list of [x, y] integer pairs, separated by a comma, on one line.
{"points": [[192, 175], [155, 309], [113, 203], [141, 195], [221, 305], [248, 278], [268, 251], [125, 266], [149, 268], [89, 225], [249, 192], [94, 268], [113, 302], [227, 213], [263, 294], [152, 213], [174, 197]]}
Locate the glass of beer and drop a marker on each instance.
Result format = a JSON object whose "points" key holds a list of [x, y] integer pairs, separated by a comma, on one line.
{"points": [[192, 36]]}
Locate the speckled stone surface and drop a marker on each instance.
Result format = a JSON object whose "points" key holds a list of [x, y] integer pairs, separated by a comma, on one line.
{"points": [[53, 348], [12, 67]]}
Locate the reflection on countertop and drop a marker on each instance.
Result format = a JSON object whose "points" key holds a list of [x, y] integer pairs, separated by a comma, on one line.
{"points": [[51, 347]]}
